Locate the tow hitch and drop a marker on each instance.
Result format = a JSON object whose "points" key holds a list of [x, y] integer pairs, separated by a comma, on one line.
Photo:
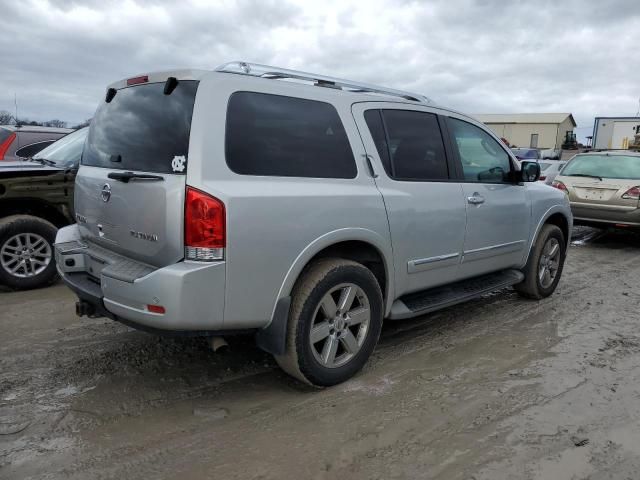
{"points": [[84, 309]]}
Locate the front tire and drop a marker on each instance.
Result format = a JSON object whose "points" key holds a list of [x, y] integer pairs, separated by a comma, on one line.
{"points": [[26, 252], [544, 267], [334, 322]]}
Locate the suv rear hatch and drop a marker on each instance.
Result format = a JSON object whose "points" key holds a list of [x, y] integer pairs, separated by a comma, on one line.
{"points": [[130, 189]]}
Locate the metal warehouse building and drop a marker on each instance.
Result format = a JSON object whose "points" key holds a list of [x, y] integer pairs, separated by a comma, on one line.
{"points": [[614, 132], [535, 130]]}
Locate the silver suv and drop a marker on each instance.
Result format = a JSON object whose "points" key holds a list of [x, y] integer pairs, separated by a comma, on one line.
{"points": [[300, 208]]}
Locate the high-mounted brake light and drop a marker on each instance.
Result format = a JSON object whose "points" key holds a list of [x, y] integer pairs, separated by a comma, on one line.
{"points": [[137, 80], [4, 146], [204, 227], [560, 186], [632, 194]]}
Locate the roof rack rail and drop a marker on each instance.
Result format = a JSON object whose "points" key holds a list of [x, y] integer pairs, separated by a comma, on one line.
{"points": [[266, 71]]}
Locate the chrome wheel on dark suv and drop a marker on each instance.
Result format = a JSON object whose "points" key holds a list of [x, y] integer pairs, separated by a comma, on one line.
{"points": [[26, 252]]}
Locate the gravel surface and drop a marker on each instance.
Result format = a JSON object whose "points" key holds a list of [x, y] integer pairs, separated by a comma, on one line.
{"points": [[500, 387]]}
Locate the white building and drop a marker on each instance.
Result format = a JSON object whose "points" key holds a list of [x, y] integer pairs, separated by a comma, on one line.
{"points": [[535, 130], [614, 132]]}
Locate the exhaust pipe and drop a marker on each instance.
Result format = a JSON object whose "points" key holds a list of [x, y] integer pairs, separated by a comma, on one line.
{"points": [[84, 309], [218, 344]]}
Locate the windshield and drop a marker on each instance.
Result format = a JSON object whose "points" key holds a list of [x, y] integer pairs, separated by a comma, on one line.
{"points": [[526, 153], [625, 167], [66, 152], [143, 129]]}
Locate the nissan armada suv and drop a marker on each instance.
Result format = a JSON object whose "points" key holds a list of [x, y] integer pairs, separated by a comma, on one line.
{"points": [[300, 208]]}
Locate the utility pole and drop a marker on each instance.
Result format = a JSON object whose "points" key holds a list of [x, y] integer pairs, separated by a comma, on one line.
{"points": [[15, 103]]}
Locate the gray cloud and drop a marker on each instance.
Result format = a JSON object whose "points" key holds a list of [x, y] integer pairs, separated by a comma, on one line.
{"points": [[475, 56]]}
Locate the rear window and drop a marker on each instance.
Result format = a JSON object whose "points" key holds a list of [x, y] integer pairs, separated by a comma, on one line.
{"points": [[626, 167], [544, 166], [66, 152], [274, 135], [143, 129], [528, 154], [30, 150]]}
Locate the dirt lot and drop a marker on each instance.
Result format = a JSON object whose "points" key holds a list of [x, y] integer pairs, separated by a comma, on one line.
{"points": [[497, 388]]}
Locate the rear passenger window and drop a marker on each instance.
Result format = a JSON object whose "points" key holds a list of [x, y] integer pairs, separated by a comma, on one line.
{"points": [[274, 135], [30, 150], [412, 148]]}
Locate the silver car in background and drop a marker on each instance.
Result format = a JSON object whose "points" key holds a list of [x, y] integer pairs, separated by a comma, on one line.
{"points": [[300, 208]]}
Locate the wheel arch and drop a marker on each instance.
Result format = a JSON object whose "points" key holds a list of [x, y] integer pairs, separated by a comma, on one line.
{"points": [[361, 245], [36, 208], [554, 216]]}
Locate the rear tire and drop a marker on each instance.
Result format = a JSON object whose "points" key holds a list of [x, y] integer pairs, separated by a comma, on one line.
{"points": [[334, 322], [544, 266], [26, 252]]}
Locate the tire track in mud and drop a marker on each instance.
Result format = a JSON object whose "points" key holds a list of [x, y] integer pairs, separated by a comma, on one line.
{"points": [[429, 393]]}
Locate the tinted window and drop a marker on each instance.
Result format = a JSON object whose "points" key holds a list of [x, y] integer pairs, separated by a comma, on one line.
{"points": [[142, 128], [30, 150], [414, 145], [482, 157], [282, 136], [625, 167], [65, 152], [376, 127]]}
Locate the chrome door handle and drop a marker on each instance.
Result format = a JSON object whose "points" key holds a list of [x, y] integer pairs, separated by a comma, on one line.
{"points": [[475, 199]]}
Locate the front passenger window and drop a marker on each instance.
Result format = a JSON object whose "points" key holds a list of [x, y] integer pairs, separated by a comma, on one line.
{"points": [[483, 159]]}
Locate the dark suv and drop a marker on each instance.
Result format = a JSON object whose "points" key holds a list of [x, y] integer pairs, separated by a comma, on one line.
{"points": [[36, 198]]}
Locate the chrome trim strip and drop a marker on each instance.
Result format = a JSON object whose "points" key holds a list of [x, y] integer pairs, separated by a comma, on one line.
{"points": [[494, 247], [414, 266], [422, 261]]}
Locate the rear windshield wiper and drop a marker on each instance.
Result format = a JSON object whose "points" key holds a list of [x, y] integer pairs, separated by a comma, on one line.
{"points": [[126, 176], [43, 161], [584, 175]]}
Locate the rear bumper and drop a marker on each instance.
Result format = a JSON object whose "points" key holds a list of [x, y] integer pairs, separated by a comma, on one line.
{"points": [[192, 293], [605, 215]]}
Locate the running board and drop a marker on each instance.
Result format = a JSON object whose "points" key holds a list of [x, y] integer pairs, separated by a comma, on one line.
{"points": [[426, 301]]}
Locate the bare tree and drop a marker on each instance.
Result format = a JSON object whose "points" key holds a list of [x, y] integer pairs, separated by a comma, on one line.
{"points": [[5, 117], [55, 123], [82, 125]]}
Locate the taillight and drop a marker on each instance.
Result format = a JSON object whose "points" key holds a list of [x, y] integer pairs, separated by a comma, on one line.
{"points": [[632, 194], [4, 146], [204, 226], [560, 186]]}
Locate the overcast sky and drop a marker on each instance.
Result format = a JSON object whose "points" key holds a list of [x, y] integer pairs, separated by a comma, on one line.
{"points": [[483, 56]]}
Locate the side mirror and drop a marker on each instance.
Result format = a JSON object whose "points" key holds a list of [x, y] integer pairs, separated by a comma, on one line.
{"points": [[529, 171]]}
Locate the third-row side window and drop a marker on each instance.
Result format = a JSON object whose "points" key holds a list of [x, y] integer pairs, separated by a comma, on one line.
{"points": [[275, 135], [409, 144]]}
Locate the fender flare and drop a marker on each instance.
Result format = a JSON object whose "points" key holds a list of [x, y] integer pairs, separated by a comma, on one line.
{"points": [[272, 338], [561, 209]]}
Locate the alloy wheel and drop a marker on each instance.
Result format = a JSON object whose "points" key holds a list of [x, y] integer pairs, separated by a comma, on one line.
{"points": [[549, 262], [25, 255], [340, 325]]}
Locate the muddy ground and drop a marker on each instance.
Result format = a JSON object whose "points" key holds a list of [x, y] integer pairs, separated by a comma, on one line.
{"points": [[497, 388]]}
